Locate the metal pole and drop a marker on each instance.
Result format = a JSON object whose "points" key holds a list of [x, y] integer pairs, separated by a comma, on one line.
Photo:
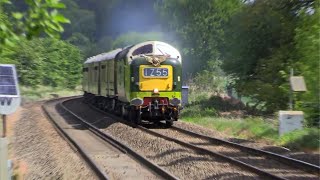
{"points": [[4, 124], [291, 92]]}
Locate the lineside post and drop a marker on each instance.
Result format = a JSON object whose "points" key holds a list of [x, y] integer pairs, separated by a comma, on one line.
{"points": [[291, 92], [4, 125], [3, 151]]}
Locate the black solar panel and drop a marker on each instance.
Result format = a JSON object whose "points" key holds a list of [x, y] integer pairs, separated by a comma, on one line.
{"points": [[6, 70], [7, 81], [8, 90]]}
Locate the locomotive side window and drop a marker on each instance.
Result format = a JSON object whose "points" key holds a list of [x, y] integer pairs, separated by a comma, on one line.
{"points": [[146, 49]]}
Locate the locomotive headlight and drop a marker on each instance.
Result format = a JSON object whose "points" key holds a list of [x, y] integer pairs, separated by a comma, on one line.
{"points": [[156, 90], [175, 101], [137, 101]]}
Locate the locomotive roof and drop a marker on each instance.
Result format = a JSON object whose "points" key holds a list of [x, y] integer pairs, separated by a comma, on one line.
{"points": [[104, 56], [147, 47], [153, 48]]}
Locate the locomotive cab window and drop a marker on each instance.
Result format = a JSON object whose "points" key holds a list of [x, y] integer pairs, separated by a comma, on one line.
{"points": [[146, 49]]}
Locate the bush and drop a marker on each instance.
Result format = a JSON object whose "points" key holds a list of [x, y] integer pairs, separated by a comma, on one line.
{"points": [[198, 111], [47, 62], [307, 138]]}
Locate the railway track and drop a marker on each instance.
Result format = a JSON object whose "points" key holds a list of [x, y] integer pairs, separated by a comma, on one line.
{"points": [[281, 167], [246, 157], [307, 167], [86, 155]]}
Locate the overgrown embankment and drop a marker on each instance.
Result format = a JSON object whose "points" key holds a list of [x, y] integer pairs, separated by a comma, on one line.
{"points": [[232, 118], [30, 94]]}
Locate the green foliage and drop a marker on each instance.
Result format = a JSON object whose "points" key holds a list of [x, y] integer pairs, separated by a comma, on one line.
{"points": [[249, 128], [83, 21], [260, 43], [63, 64], [30, 94], [7, 36], [41, 16], [198, 26], [87, 47], [260, 129], [212, 80], [48, 62], [307, 138], [197, 111], [265, 40], [208, 106], [307, 40]]}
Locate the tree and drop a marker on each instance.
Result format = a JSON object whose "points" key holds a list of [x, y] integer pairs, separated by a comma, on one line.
{"points": [[198, 25], [261, 50], [45, 61], [307, 41], [83, 21], [40, 17]]}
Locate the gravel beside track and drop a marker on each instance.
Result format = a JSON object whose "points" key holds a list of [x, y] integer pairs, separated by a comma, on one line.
{"points": [[37, 146], [268, 165], [115, 163], [182, 162]]}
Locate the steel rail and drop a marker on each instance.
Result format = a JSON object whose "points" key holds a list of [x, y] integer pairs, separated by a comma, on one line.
{"points": [[308, 167], [212, 153], [154, 167], [199, 149], [190, 146], [84, 154]]}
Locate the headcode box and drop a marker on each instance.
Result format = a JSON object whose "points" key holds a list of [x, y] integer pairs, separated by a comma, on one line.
{"points": [[289, 121]]}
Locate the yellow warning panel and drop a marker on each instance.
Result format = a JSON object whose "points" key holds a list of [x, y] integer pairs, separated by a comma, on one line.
{"points": [[152, 77]]}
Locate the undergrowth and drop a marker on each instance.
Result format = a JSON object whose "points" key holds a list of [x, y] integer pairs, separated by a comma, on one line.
{"points": [[207, 113], [259, 129], [29, 94]]}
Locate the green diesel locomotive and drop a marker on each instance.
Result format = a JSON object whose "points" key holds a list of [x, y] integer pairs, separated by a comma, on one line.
{"points": [[139, 82]]}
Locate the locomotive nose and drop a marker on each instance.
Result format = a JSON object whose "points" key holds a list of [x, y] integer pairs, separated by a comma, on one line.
{"points": [[155, 78]]}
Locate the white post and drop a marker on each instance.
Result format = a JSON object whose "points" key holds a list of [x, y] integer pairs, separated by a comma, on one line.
{"points": [[3, 158]]}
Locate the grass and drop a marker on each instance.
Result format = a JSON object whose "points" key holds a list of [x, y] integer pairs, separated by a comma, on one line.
{"points": [[253, 128], [44, 92]]}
